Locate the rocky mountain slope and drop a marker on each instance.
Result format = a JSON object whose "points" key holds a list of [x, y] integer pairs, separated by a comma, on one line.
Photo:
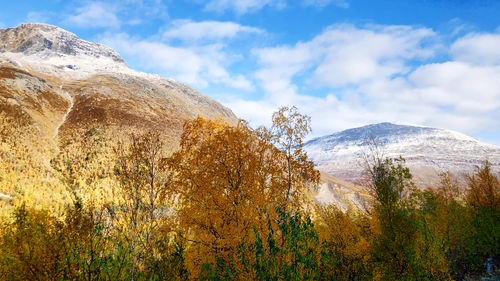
{"points": [[56, 87], [60, 82], [428, 151]]}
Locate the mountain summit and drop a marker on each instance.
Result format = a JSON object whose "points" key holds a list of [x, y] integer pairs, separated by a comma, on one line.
{"points": [[428, 151], [62, 85], [50, 49], [46, 41]]}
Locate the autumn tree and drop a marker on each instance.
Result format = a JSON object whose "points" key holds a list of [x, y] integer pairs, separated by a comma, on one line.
{"points": [[288, 131], [483, 201], [346, 241], [31, 248], [444, 205], [484, 189], [228, 178], [145, 178]]}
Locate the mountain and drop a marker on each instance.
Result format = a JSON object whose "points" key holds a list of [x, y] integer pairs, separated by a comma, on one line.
{"points": [[56, 88], [61, 83], [428, 151]]}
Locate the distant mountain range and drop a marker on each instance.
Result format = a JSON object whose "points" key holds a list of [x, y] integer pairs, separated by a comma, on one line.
{"points": [[428, 151]]}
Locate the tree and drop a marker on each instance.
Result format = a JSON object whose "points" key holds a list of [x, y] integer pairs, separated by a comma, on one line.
{"points": [[407, 245], [297, 257], [483, 201], [145, 178], [345, 246], [484, 189], [228, 178], [452, 220], [287, 133], [31, 248]]}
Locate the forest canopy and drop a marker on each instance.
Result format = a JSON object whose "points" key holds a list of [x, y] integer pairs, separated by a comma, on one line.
{"points": [[233, 203]]}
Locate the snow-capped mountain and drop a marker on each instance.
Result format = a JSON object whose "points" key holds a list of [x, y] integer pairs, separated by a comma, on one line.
{"points": [[57, 89], [428, 151], [62, 86], [51, 49]]}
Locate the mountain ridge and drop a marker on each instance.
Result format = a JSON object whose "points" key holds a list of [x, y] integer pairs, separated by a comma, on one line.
{"points": [[45, 40], [56, 90], [62, 85], [428, 151]]}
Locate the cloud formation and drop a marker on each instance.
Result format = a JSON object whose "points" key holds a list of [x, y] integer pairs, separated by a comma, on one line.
{"points": [[372, 74], [477, 48], [188, 30], [94, 15], [242, 6], [199, 66]]}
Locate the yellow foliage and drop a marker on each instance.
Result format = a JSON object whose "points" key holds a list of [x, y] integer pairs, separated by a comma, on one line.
{"points": [[228, 178]]}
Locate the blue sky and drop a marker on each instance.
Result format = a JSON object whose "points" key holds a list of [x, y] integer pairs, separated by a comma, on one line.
{"points": [[345, 63]]}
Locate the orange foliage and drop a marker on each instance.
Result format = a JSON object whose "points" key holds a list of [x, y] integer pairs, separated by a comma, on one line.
{"points": [[228, 177], [484, 189]]}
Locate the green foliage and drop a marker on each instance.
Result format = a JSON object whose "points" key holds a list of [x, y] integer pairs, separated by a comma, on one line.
{"points": [[483, 202], [292, 251], [408, 246]]}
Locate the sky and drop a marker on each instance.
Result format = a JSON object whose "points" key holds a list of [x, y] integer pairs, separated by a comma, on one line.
{"points": [[345, 63]]}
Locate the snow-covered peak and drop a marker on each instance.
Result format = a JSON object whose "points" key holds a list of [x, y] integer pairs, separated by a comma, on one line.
{"points": [[386, 133], [425, 149], [53, 50], [46, 41]]}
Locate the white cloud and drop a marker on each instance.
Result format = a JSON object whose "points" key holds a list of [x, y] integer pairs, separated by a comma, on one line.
{"points": [[463, 87], [195, 65], [353, 55], [242, 6], [95, 15], [380, 73], [188, 30], [196, 53], [145, 7], [477, 49], [37, 17], [324, 3], [344, 54]]}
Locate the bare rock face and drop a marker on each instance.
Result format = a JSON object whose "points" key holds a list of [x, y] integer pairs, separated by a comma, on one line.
{"points": [[47, 41], [344, 195], [428, 151]]}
